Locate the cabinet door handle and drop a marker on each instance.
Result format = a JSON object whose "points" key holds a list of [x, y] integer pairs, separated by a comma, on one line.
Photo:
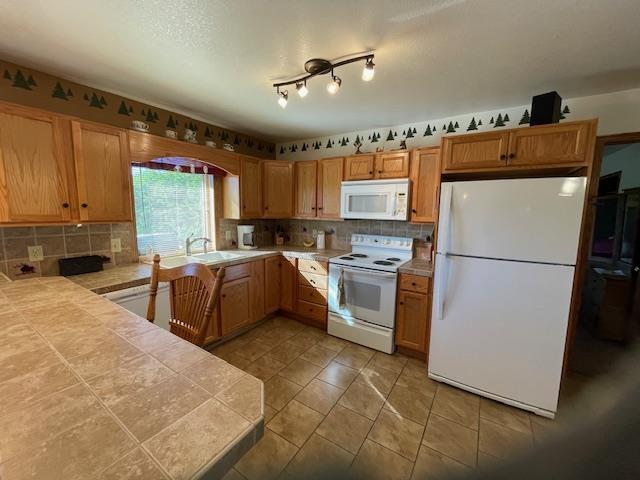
{"points": [[319, 208], [401, 303], [371, 172], [84, 205], [379, 171], [266, 208], [503, 157], [223, 295], [512, 155], [413, 284], [65, 205], [414, 210]]}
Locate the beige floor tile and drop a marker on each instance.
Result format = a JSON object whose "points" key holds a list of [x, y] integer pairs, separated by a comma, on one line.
{"points": [[233, 474], [409, 404], [375, 462], [264, 367], [278, 391], [267, 458], [306, 338], [244, 397], [300, 371], [354, 356], [363, 399], [213, 374], [418, 382], [451, 439], [185, 446], [319, 459], [337, 374], [500, 441], [395, 362], [269, 413], [135, 466], [157, 407], [295, 422], [544, 428], [433, 465], [333, 343], [505, 415], [397, 433], [319, 355], [129, 379], [24, 429], [286, 352], [415, 368], [320, 396], [486, 462], [345, 428], [234, 358], [97, 442], [379, 378], [275, 336], [457, 405], [253, 350]]}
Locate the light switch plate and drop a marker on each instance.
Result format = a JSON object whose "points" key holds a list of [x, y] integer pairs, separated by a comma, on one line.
{"points": [[116, 246], [35, 253]]}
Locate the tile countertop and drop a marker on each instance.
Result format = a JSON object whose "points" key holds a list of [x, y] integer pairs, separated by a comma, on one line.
{"points": [[119, 278], [418, 266], [90, 390]]}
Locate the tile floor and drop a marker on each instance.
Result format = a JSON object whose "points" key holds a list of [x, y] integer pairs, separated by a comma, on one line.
{"points": [[337, 408]]}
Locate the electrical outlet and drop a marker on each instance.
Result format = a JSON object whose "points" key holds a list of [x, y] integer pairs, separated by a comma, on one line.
{"points": [[116, 246], [35, 253], [227, 235]]}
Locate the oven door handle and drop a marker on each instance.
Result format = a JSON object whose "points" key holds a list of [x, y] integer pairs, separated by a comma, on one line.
{"points": [[369, 272]]}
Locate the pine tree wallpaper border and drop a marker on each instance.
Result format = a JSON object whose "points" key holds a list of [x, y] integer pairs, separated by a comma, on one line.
{"points": [[25, 86], [371, 141]]}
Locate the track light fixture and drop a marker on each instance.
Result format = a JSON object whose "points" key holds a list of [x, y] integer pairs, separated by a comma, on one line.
{"points": [[283, 98], [302, 89], [320, 66]]}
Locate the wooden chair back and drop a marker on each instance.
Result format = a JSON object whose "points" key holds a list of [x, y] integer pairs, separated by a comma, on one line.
{"points": [[195, 291]]}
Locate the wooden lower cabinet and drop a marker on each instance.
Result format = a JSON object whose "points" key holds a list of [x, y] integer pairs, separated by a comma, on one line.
{"points": [[271, 284], [257, 291], [288, 274], [413, 313], [235, 305], [312, 291]]}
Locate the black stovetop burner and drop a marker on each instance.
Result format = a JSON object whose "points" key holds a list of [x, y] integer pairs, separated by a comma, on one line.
{"points": [[382, 262], [393, 259], [346, 258], [358, 255]]}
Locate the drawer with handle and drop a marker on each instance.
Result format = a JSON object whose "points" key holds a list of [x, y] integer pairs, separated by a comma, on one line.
{"points": [[312, 295], [235, 272], [414, 283], [312, 266], [311, 310], [312, 280]]}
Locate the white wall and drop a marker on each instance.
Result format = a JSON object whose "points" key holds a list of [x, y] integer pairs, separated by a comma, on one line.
{"points": [[625, 159], [617, 112]]}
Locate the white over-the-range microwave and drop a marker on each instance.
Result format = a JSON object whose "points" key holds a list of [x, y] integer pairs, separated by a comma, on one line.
{"points": [[375, 199]]}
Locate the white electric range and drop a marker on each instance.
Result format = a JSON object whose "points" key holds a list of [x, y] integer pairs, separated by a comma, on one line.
{"points": [[368, 276]]}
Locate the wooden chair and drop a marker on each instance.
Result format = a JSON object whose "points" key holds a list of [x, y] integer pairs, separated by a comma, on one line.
{"points": [[195, 291]]}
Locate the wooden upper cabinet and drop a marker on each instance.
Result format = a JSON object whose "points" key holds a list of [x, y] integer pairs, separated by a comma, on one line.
{"points": [[278, 188], [565, 143], [475, 151], [103, 172], [305, 188], [251, 187], [425, 184], [392, 165], [34, 170], [359, 167], [330, 172]]}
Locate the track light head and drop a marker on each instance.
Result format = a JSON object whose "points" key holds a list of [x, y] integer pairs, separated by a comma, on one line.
{"points": [[283, 98], [368, 70], [334, 85], [302, 89]]}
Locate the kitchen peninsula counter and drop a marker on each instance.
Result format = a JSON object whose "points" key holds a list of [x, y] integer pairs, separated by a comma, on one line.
{"points": [[89, 390]]}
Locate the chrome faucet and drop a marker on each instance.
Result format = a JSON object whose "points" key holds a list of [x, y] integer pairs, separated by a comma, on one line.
{"points": [[188, 242]]}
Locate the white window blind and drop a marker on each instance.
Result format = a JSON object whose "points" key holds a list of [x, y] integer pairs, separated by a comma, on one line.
{"points": [[169, 207]]}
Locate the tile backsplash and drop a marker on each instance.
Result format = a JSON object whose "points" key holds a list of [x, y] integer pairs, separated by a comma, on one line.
{"points": [[62, 242], [338, 233]]}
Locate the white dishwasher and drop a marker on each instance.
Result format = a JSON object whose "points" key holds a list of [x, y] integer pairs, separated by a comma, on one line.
{"points": [[136, 300]]}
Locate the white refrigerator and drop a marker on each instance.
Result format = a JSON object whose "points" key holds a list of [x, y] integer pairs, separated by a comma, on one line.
{"points": [[504, 268]]}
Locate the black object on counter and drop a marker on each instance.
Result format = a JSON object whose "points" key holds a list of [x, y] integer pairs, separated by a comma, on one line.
{"points": [[78, 265]]}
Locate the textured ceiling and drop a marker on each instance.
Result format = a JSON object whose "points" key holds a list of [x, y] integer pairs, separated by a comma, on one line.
{"points": [[216, 59]]}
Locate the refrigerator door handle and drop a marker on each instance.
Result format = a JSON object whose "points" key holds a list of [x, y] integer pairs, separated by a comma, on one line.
{"points": [[442, 274], [445, 218]]}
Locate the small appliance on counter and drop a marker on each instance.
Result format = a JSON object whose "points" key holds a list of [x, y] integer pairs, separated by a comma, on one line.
{"points": [[246, 237], [320, 240]]}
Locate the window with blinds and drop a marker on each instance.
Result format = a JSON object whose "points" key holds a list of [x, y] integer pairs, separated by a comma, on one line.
{"points": [[170, 206]]}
